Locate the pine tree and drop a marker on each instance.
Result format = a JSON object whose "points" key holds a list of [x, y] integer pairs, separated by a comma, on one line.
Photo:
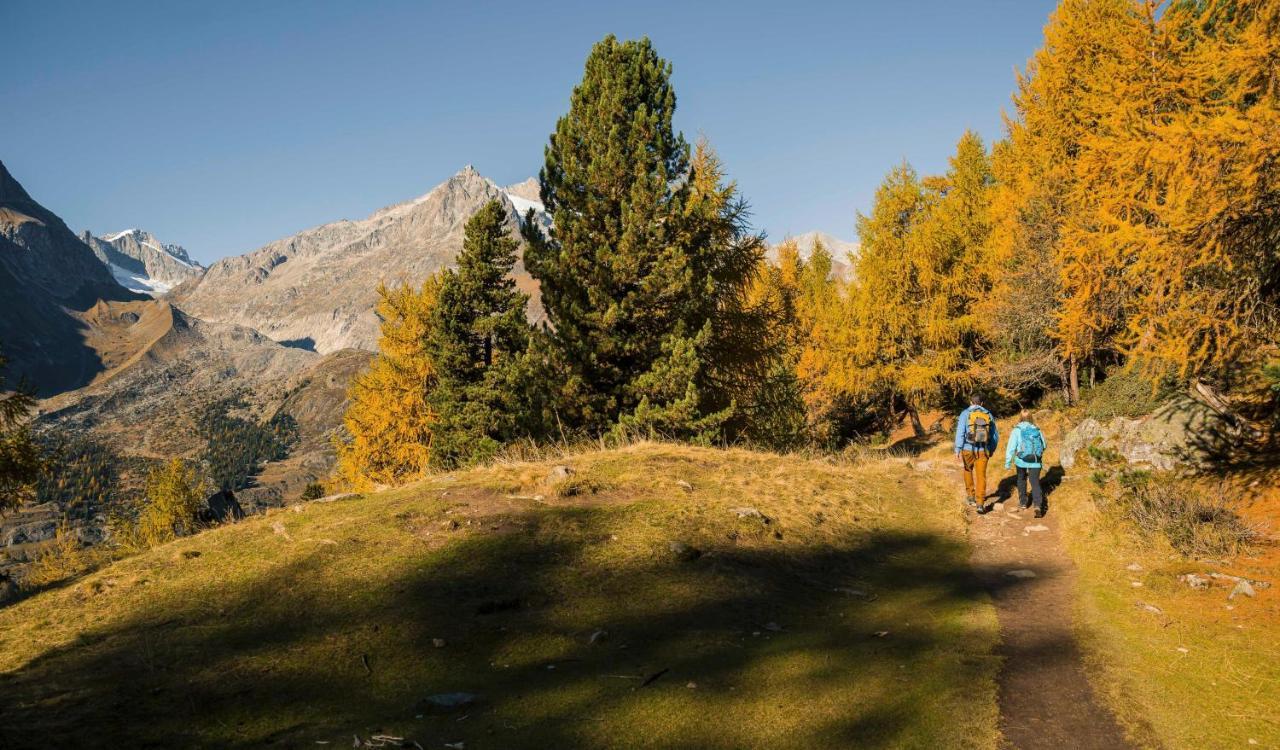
{"points": [[477, 341], [20, 457], [389, 422], [646, 255]]}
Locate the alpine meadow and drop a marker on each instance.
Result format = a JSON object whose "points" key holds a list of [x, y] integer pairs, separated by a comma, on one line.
{"points": [[592, 461]]}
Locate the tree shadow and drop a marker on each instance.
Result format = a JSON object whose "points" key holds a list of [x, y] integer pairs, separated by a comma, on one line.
{"points": [[706, 653], [1050, 478], [1220, 446]]}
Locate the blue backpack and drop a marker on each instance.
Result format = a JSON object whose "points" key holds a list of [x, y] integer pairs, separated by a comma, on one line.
{"points": [[1030, 444]]}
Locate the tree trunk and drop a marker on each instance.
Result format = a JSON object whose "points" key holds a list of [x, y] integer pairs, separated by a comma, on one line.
{"points": [[1073, 381], [915, 421]]}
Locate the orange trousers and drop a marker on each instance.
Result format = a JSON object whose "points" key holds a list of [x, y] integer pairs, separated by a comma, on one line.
{"points": [[975, 473]]}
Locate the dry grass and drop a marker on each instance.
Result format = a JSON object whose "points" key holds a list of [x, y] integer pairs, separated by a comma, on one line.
{"points": [[555, 608], [1184, 668], [1196, 519]]}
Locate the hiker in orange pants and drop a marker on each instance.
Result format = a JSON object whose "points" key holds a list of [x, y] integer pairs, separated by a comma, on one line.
{"points": [[976, 439]]}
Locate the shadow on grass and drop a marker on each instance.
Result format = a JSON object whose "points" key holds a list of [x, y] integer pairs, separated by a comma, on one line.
{"points": [[784, 647]]}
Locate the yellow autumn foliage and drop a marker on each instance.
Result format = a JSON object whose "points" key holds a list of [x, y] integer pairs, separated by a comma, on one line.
{"points": [[388, 422]]}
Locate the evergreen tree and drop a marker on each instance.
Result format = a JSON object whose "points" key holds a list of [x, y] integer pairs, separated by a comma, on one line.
{"points": [[477, 341], [949, 251], [20, 457], [174, 494], [646, 258]]}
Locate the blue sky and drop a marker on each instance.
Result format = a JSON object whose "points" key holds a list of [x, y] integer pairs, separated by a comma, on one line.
{"points": [[224, 125]]}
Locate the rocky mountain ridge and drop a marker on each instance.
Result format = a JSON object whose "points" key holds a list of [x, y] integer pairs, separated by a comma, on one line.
{"points": [[317, 289], [141, 263], [48, 278]]}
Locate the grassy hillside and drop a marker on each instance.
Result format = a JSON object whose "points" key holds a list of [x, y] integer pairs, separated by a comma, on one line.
{"points": [[629, 605], [1183, 667]]}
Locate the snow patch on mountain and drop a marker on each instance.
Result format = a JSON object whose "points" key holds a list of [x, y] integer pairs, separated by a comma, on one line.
{"points": [[136, 282], [141, 263]]}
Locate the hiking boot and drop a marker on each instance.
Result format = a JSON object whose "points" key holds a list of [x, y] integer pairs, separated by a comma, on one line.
{"points": [[1039, 512], [971, 501]]}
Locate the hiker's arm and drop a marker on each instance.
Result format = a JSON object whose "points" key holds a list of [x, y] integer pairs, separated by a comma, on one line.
{"points": [[960, 422], [1009, 448]]}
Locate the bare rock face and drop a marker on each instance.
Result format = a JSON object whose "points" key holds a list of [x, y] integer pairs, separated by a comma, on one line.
{"points": [[142, 263], [167, 367], [47, 277], [1163, 440], [317, 290]]}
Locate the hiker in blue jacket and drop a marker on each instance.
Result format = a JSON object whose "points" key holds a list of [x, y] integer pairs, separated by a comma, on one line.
{"points": [[976, 440], [1026, 451]]}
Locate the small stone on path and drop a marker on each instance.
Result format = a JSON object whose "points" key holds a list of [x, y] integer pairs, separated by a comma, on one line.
{"points": [[1037, 527], [1021, 573], [1133, 567]]}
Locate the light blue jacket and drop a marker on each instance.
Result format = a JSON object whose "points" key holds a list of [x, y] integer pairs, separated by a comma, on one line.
{"points": [[962, 425], [1015, 440]]}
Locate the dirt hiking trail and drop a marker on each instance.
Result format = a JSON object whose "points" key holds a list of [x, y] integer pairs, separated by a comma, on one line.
{"points": [[1044, 697]]}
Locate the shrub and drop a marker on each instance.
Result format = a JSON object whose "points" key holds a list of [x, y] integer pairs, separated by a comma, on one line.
{"points": [[175, 492], [313, 491], [1127, 393], [65, 557], [1195, 521]]}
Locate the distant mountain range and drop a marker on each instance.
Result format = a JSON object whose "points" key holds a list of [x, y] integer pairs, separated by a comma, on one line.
{"points": [[317, 289], [141, 263], [128, 338]]}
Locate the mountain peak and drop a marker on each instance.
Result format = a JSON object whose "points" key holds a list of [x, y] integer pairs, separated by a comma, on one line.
{"points": [[530, 190], [11, 191], [142, 263]]}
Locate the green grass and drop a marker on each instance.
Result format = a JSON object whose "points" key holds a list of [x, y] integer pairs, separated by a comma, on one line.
{"points": [[260, 633], [1202, 672]]}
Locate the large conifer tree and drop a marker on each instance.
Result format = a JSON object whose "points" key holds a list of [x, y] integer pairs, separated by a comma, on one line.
{"points": [[645, 268], [477, 341]]}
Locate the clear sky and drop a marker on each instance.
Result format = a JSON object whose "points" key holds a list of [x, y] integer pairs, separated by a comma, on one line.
{"points": [[224, 125]]}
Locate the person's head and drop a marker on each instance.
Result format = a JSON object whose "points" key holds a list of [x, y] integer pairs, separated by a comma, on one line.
{"points": [[1025, 416], [975, 399]]}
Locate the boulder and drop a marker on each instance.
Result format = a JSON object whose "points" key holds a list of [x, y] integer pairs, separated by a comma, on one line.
{"points": [[29, 533], [1163, 440], [221, 507], [559, 474]]}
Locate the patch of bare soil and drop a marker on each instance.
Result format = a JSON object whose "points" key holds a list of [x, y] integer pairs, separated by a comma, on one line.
{"points": [[1045, 699]]}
